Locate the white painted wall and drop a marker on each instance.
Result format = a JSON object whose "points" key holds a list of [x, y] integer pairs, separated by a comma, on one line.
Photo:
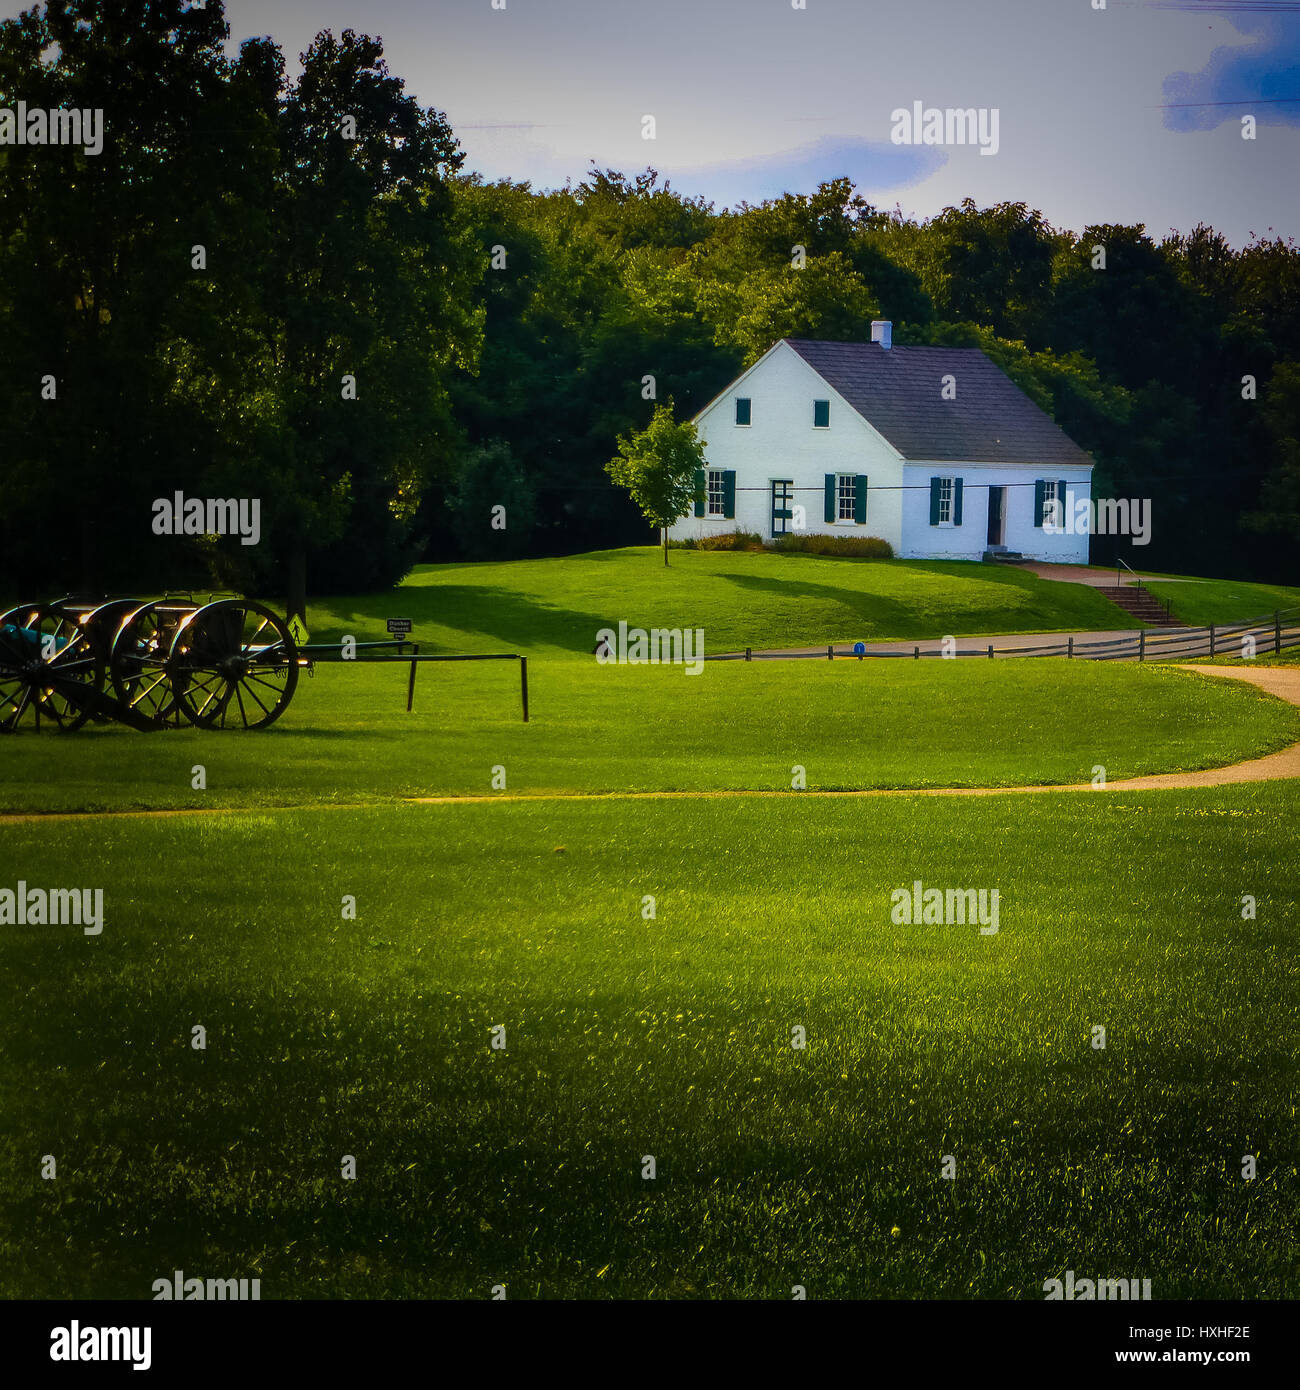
{"points": [[782, 442], [969, 541]]}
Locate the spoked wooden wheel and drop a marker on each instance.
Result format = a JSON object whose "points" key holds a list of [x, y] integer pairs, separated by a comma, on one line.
{"points": [[138, 663], [48, 669], [233, 665], [100, 622], [17, 651]]}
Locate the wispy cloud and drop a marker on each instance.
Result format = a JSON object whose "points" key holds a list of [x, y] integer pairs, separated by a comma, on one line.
{"points": [[1261, 78], [873, 166]]}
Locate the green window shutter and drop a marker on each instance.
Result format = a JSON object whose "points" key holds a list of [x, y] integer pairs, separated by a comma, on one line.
{"points": [[729, 493], [701, 485], [830, 498], [956, 501], [860, 499], [821, 415], [1038, 501], [934, 501]]}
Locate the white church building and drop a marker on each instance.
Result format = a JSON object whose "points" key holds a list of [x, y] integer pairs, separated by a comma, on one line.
{"points": [[933, 449]]}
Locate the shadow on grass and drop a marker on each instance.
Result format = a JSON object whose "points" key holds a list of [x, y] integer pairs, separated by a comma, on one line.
{"points": [[515, 621]]}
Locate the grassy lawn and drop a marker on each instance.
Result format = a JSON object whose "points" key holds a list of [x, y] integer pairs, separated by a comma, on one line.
{"points": [[740, 599], [347, 736], [669, 1037], [1224, 600], [1289, 656]]}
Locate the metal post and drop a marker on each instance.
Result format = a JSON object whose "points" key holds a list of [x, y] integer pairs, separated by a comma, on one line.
{"points": [[1069, 650], [990, 651], [916, 653], [830, 653], [749, 654], [410, 687], [1211, 639], [1142, 645], [1277, 631], [523, 684]]}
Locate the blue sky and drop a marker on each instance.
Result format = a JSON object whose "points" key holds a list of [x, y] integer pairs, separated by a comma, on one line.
{"points": [[1104, 114]]}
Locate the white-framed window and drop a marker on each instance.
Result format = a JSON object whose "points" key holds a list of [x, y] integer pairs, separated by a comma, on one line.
{"points": [[1053, 505], [846, 493], [717, 502], [743, 411], [945, 501]]}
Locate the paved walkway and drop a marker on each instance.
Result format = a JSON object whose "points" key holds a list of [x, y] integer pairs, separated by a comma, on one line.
{"points": [[1094, 578], [1008, 643], [1282, 681]]}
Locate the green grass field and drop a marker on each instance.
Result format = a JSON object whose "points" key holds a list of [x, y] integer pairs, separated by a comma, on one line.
{"points": [[347, 736], [635, 1029], [1224, 600], [759, 600], [670, 1037]]}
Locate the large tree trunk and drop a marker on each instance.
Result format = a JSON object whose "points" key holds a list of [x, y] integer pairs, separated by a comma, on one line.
{"points": [[297, 603]]}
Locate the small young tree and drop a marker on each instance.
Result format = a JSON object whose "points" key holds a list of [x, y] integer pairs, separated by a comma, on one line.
{"points": [[660, 467]]}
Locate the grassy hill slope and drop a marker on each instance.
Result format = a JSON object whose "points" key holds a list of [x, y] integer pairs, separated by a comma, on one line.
{"points": [[740, 599]]}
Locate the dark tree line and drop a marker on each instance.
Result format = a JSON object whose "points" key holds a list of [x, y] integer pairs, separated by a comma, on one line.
{"points": [[293, 290]]}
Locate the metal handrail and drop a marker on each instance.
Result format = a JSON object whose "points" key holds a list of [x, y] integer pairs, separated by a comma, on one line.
{"points": [[1119, 560]]}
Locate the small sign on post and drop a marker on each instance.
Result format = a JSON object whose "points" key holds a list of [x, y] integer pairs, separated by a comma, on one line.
{"points": [[399, 627], [297, 631]]}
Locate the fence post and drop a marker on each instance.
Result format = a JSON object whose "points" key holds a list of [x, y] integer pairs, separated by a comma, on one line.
{"points": [[1142, 645], [1277, 632], [1069, 650], [523, 684], [830, 653], [916, 653], [410, 685], [1211, 639], [990, 651], [749, 654]]}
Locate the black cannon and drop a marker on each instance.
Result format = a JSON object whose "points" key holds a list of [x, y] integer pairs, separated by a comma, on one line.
{"points": [[228, 663]]}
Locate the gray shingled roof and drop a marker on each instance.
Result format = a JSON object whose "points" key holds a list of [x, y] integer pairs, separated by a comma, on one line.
{"points": [[897, 391]]}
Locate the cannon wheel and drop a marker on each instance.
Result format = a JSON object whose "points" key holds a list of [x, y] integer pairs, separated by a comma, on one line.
{"points": [[233, 665], [46, 671], [138, 660], [100, 622]]}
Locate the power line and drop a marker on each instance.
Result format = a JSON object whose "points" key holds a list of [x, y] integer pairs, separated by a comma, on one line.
{"points": [[1244, 101]]}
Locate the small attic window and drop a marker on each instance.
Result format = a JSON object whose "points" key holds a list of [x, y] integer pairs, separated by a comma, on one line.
{"points": [[821, 415], [742, 410]]}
